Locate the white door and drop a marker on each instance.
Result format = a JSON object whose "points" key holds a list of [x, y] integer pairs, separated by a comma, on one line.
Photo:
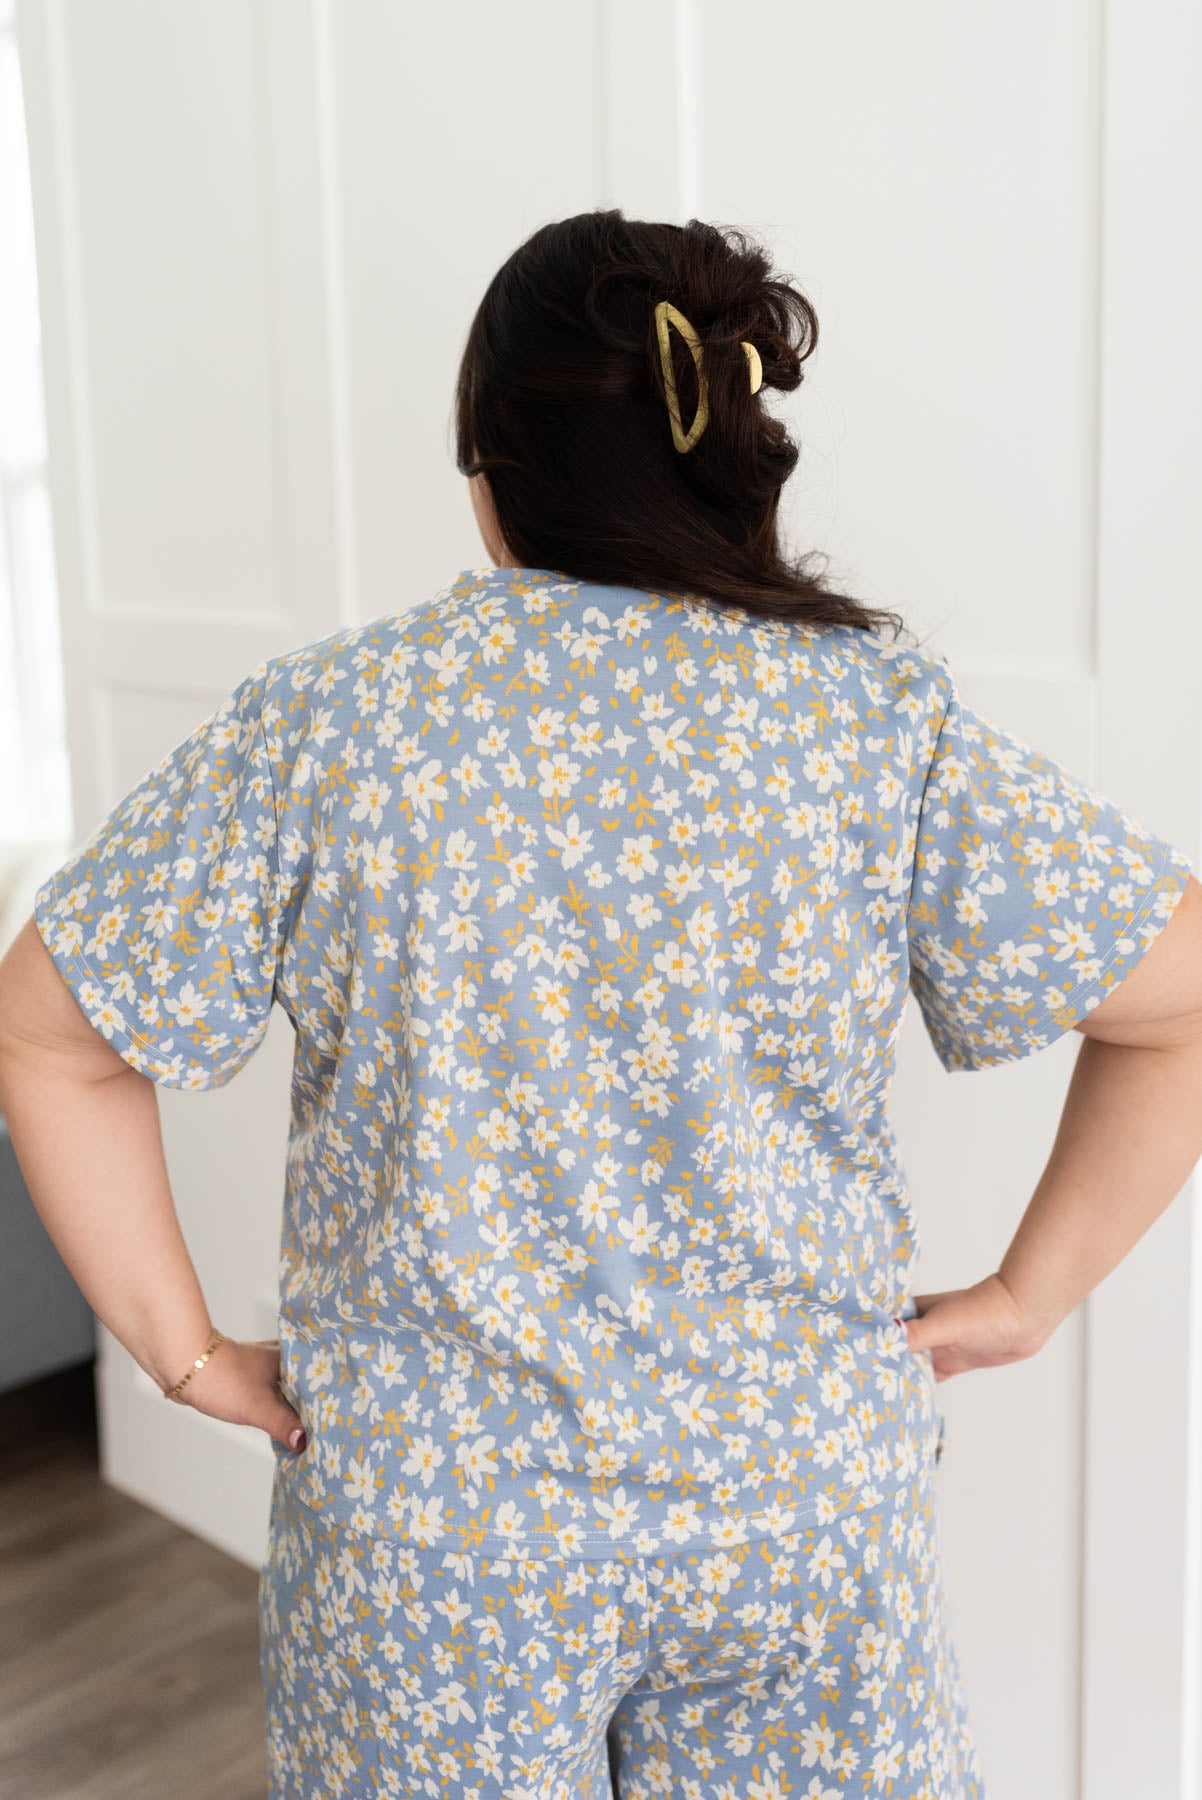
{"points": [[262, 227], [188, 419]]}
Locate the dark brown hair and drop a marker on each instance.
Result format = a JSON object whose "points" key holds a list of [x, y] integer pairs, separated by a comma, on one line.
{"points": [[560, 403]]}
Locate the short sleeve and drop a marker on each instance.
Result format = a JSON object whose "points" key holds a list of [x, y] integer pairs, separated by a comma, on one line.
{"points": [[1032, 895], [165, 923]]}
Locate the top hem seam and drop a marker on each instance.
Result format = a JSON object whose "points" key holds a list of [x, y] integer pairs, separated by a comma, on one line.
{"points": [[546, 1547]]}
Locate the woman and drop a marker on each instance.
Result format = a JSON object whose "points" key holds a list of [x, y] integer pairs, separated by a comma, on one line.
{"points": [[603, 1411]]}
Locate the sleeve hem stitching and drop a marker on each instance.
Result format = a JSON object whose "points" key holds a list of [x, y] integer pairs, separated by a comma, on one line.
{"points": [[1089, 982], [134, 1039], [1053, 1021]]}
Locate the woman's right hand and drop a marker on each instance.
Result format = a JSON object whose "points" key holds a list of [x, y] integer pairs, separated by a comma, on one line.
{"points": [[978, 1327], [241, 1384]]}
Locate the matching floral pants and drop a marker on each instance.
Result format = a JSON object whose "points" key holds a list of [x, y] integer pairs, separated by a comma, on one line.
{"points": [[816, 1667]]}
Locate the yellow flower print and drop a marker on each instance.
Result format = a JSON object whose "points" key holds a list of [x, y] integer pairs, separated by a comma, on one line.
{"points": [[425, 788], [557, 776], [619, 1514], [573, 842], [186, 1006], [637, 859], [1070, 939], [369, 799], [596, 913]]}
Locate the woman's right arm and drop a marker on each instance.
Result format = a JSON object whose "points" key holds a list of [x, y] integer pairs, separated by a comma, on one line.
{"points": [[1129, 1135]]}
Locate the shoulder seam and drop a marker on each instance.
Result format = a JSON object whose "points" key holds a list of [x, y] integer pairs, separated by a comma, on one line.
{"points": [[922, 798], [278, 933]]}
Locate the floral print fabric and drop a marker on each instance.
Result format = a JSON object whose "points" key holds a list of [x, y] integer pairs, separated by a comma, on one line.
{"points": [[595, 912], [1032, 895], [818, 1664]]}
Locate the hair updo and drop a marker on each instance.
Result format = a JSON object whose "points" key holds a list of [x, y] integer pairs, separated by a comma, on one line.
{"points": [[560, 403]]}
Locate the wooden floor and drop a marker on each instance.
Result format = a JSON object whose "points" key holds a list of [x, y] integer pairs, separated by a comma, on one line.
{"points": [[128, 1648]]}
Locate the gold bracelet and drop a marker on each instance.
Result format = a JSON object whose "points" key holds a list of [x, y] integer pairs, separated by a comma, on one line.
{"points": [[171, 1392]]}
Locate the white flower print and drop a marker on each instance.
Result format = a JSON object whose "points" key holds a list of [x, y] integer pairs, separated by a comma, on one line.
{"points": [[596, 913]]}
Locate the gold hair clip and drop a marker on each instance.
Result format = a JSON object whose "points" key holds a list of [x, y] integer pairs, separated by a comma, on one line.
{"points": [[665, 312]]}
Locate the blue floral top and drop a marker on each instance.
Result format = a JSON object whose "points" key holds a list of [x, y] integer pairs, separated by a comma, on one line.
{"points": [[595, 912]]}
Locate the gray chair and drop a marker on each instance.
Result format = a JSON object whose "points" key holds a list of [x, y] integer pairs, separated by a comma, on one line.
{"points": [[45, 1322]]}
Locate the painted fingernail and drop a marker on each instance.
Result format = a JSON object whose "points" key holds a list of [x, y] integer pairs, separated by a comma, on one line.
{"points": [[296, 1438]]}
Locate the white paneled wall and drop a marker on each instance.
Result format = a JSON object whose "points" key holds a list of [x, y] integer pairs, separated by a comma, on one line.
{"points": [[262, 228]]}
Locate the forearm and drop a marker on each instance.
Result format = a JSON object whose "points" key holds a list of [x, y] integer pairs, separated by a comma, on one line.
{"points": [[91, 1154], [1129, 1135]]}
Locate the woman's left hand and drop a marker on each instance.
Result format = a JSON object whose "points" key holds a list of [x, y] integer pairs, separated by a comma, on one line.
{"points": [[241, 1384]]}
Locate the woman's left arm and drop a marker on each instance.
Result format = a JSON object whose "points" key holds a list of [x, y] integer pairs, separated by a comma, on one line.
{"points": [[85, 1128]]}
